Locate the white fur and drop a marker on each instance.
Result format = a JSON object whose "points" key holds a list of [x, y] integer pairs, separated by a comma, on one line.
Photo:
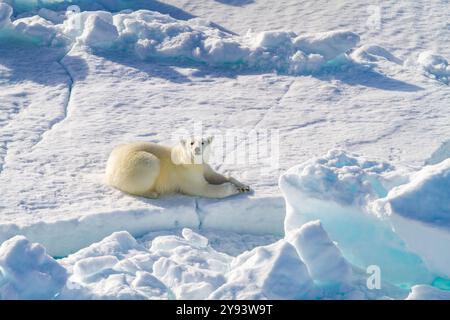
{"points": [[148, 169]]}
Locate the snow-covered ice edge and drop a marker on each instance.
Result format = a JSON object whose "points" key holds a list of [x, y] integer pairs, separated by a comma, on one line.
{"points": [[256, 215]]}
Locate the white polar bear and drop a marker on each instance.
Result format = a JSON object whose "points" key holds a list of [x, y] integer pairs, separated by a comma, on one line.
{"points": [[149, 170]]}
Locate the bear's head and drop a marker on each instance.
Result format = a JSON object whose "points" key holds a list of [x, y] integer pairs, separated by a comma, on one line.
{"points": [[192, 151]]}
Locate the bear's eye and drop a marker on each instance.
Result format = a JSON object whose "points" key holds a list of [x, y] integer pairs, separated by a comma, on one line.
{"points": [[203, 143], [192, 143]]}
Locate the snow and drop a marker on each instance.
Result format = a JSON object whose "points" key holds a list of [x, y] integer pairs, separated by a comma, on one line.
{"points": [[356, 78], [435, 65]]}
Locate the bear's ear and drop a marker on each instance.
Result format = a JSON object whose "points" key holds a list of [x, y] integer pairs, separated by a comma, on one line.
{"points": [[183, 142], [210, 139]]}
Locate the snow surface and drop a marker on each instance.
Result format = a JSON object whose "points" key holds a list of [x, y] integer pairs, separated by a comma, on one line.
{"points": [[326, 76]]}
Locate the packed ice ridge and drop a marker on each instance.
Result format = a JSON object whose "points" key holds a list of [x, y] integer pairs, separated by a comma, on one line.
{"points": [[151, 35]]}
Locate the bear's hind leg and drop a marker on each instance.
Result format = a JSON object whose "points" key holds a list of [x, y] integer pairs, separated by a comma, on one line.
{"points": [[151, 195], [144, 170]]}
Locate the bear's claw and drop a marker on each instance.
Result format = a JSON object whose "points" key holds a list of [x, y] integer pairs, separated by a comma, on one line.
{"points": [[244, 189]]}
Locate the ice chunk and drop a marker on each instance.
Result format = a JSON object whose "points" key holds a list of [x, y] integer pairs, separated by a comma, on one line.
{"points": [[27, 272], [75, 24], [115, 268], [90, 266], [339, 189], [149, 285], [98, 33], [187, 280], [194, 238], [420, 214], [152, 35], [32, 29], [322, 257], [273, 39], [270, 272], [223, 51], [434, 65], [425, 292], [301, 63], [188, 266], [442, 153], [328, 44], [426, 198], [5, 15], [35, 29], [50, 15], [338, 177], [373, 53], [117, 244]]}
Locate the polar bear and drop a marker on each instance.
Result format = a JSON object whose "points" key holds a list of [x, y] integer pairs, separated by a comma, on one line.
{"points": [[149, 170]]}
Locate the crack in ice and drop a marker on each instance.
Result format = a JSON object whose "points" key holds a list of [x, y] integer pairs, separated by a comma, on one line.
{"points": [[71, 83], [279, 101], [377, 138], [269, 110], [199, 214]]}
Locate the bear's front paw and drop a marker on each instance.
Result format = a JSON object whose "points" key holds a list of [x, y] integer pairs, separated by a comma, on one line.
{"points": [[243, 189], [231, 188]]}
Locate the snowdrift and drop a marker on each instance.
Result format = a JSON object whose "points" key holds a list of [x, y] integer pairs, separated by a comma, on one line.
{"points": [[154, 36]]}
